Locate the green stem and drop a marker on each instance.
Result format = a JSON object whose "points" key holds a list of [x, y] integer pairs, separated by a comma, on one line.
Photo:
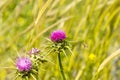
{"points": [[60, 65]]}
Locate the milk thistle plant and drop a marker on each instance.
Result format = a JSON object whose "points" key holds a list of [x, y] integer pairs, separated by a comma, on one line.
{"points": [[24, 67], [58, 45], [28, 67]]}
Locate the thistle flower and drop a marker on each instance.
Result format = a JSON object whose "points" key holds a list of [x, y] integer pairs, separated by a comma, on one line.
{"points": [[34, 51], [23, 64], [58, 36]]}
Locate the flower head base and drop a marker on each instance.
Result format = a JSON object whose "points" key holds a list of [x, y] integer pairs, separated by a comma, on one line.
{"points": [[34, 51], [58, 36], [24, 64]]}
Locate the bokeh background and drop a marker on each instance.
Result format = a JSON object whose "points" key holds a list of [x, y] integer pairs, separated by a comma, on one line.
{"points": [[93, 25]]}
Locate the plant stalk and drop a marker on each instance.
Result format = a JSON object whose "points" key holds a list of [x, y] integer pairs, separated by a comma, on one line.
{"points": [[60, 65]]}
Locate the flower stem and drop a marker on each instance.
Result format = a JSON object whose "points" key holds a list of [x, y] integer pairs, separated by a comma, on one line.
{"points": [[60, 65]]}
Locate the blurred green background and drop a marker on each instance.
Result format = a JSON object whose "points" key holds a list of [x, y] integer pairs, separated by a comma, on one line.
{"points": [[93, 24]]}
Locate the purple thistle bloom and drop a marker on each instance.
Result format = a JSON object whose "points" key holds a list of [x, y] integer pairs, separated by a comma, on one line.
{"points": [[34, 51], [58, 35], [23, 64]]}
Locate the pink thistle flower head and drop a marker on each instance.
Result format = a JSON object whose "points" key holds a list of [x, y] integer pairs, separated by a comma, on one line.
{"points": [[23, 64], [58, 36], [34, 51]]}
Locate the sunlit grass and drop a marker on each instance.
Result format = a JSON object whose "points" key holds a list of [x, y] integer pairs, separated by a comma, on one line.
{"points": [[92, 25]]}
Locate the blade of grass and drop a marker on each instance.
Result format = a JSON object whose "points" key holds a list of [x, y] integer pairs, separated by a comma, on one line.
{"points": [[41, 12], [108, 59]]}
